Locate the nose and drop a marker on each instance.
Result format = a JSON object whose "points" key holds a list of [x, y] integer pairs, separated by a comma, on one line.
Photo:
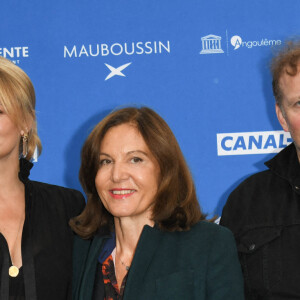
{"points": [[119, 172]]}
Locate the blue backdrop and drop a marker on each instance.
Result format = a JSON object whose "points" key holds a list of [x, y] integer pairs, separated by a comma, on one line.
{"points": [[202, 65]]}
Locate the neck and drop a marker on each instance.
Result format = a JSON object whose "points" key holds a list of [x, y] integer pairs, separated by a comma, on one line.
{"points": [[9, 181], [128, 232]]}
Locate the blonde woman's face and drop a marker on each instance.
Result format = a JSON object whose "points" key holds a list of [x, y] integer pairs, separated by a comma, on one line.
{"points": [[9, 137]]}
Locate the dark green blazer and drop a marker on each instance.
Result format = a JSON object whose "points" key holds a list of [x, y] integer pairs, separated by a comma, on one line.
{"points": [[201, 263]]}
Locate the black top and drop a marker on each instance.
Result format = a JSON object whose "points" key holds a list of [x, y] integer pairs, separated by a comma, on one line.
{"points": [[46, 242], [263, 212], [16, 286]]}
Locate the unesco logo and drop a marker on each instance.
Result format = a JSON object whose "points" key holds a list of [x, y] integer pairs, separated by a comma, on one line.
{"points": [[211, 44]]}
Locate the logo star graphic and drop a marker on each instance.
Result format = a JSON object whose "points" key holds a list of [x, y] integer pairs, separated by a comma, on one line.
{"points": [[116, 71]]}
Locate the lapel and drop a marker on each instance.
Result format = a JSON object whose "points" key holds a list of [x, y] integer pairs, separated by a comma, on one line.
{"points": [[88, 276], [146, 248], [80, 253]]}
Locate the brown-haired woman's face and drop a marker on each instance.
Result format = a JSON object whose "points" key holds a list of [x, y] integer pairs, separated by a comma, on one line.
{"points": [[127, 179]]}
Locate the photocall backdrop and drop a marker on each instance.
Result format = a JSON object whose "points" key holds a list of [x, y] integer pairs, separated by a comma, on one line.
{"points": [[202, 65]]}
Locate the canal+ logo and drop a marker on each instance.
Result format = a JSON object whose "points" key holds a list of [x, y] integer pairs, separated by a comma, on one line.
{"points": [[259, 142]]}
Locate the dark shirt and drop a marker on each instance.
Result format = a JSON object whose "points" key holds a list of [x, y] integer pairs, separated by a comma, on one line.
{"points": [[263, 212], [46, 243]]}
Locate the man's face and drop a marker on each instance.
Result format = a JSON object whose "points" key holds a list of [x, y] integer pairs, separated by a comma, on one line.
{"points": [[289, 112]]}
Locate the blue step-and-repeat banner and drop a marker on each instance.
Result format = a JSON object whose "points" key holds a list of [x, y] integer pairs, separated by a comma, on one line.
{"points": [[202, 65]]}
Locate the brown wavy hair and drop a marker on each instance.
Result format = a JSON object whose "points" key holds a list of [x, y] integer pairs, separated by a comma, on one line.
{"points": [[285, 61], [176, 207], [17, 97]]}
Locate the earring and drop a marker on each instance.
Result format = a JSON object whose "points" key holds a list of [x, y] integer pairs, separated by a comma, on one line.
{"points": [[24, 144]]}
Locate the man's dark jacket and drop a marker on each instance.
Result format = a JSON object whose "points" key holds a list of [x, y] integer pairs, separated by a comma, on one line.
{"points": [[263, 212]]}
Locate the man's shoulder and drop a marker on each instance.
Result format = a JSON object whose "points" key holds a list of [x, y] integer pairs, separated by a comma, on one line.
{"points": [[257, 200], [256, 179], [260, 199], [255, 189]]}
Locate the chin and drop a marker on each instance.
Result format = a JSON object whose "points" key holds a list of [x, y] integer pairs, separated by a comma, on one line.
{"points": [[120, 214]]}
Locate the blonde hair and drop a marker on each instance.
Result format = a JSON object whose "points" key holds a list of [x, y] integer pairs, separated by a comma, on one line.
{"points": [[17, 98]]}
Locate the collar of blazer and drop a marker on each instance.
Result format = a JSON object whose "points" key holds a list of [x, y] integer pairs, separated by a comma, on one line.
{"points": [[148, 244]]}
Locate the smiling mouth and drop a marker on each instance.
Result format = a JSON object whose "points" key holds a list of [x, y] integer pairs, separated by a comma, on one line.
{"points": [[122, 192]]}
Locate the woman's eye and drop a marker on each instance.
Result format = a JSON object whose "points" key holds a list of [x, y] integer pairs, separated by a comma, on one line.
{"points": [[104, 162], [136, 160]]}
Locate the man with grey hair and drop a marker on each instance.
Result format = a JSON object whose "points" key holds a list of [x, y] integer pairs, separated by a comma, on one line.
{"points": [[263, 212]]}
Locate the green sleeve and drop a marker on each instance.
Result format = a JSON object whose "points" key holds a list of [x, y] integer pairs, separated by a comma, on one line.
{"points": [[224, 277]]}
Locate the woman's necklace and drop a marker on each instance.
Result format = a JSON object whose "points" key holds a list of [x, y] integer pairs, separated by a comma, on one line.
{"points": [[126, 267], [113, 254], [13, 270]]}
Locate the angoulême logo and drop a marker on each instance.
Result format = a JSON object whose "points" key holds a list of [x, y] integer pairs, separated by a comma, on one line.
{"points": [[237, 42], [133, 48]]}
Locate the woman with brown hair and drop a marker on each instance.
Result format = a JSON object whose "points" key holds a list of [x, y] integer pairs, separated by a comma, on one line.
{"points": [[143, 235], [35, 239]]}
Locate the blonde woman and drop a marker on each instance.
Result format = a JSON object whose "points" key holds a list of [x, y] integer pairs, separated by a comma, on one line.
{"points": [[35, 240]]}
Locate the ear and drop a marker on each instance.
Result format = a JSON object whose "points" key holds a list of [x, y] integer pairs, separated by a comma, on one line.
{"points": [[26, 127], [281, 118]]}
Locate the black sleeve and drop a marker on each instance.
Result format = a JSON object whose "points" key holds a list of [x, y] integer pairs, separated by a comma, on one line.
{"points": [[75, 204]]}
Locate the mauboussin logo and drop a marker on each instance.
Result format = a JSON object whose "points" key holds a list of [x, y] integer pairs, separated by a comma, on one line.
{"points": [[116, 49], [237, 42], [108, 51]]}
